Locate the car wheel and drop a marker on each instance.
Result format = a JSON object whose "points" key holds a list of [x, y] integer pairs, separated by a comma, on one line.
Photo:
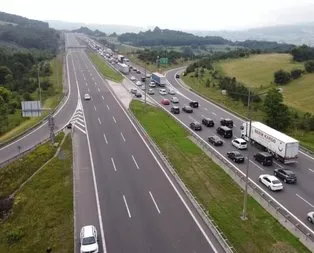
{"points": [[269, 187], [262, 163], [309, 219], [285, 180]]}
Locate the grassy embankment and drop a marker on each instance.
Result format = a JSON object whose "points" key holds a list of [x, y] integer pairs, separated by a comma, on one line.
{"points": [[104, 68], [42, 214], [257, 72], [18, 124], [215, 190]]}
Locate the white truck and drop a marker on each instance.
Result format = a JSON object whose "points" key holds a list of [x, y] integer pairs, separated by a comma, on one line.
{"points": [[159, 79], [281, 146], [123, 68]]}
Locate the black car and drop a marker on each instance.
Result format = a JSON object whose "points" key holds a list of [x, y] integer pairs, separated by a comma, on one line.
{"points": [[187, 109], [286, 175], [177, 76], [215, 140], [208, 122], [138, 71], [235, 156], [175, 109], [143, 79], [138, 95], [196, 126], [227, 122], [264, 158], [69, 126], [194, 104], [224, 131]]}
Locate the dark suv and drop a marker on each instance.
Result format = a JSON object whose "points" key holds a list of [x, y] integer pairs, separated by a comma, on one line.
{"points": [[224, 131], [264, 158], [194, 104], [175, 109], [215, 140], [227, 122], [286, 175], [208, 122]]}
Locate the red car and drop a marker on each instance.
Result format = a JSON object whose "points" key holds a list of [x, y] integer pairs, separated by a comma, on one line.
{"points": [[165, 101]]}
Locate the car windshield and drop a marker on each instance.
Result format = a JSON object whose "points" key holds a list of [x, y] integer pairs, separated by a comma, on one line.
{"points": [[88, 240], [276, 182], [237, 154], [289, 172]]}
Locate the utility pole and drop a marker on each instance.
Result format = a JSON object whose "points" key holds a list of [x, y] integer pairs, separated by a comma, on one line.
{"points": [[244, 212], [39, 88]]}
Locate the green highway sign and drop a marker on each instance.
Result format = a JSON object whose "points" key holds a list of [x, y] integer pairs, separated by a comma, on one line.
{"points": [[163, 61]]}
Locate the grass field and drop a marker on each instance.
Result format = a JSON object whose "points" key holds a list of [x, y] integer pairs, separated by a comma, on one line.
{"points": [[42, 214], [215, 190], [105, 69], [258, 71], [18, 124]]}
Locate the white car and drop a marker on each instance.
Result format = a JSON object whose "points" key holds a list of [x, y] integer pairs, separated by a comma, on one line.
{"points": [[150, 92], [239, 143], [133, 78], [171, 92], [310, 217], [133, 90], [88, 239], [271, 182], [162, 92], [148, 75], [143, 87], [86, 96], [152, 84], [138, 83], [174, 100]]}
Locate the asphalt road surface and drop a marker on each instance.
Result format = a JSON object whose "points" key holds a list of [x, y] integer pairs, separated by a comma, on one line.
{"points": [[61, 117], [141, 209], [297, 198]]}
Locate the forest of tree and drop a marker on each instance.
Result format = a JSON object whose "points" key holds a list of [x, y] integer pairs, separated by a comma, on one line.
{"points": [[89, 32], [303, 53]]}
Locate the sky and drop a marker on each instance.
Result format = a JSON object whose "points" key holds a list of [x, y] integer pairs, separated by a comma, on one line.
{"points": [[171, 14]]}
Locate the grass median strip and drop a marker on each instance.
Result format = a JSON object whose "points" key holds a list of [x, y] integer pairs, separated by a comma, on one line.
{"points": [[214, 189], [104, 68], [42, 214]]}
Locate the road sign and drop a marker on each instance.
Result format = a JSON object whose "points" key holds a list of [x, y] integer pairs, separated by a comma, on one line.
{"points": [[31, 108], [163, 61]]}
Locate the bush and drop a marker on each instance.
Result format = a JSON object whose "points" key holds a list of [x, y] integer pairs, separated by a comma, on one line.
{"points": [[282, 77], [296, 73], [309, 66], [15, 235]]}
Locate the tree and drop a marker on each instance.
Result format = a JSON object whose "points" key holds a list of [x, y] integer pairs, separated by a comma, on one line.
{"points": [[5, 94], [277, 113], [4, 72], [207, 83], [309, 66], [281, 77], [296, 73]]}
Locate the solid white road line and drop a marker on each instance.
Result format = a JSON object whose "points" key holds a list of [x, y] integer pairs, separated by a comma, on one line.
{"points": [[95, 108], [113, 164], [122, 137], [98, 90], [105, 139], [214, 113], [99, 121], [257, 165], [305, 201], [108, 107], [135, 162], [311, 170], [280, 166], [152, 197], [126, 205], [83, 131], [102, 97], [114, 119]]}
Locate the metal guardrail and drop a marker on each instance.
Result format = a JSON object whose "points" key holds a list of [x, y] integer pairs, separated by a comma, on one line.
{"points": [[27, 150], [64, 95], [279, 210], [200, 209]]}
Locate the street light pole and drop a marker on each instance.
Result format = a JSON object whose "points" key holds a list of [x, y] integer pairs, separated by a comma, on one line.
{"points": [[244, 212]]}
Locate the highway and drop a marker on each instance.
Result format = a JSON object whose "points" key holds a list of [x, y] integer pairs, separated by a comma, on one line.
{"points": [[61, 117], [140, 207], [298, 198]]}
